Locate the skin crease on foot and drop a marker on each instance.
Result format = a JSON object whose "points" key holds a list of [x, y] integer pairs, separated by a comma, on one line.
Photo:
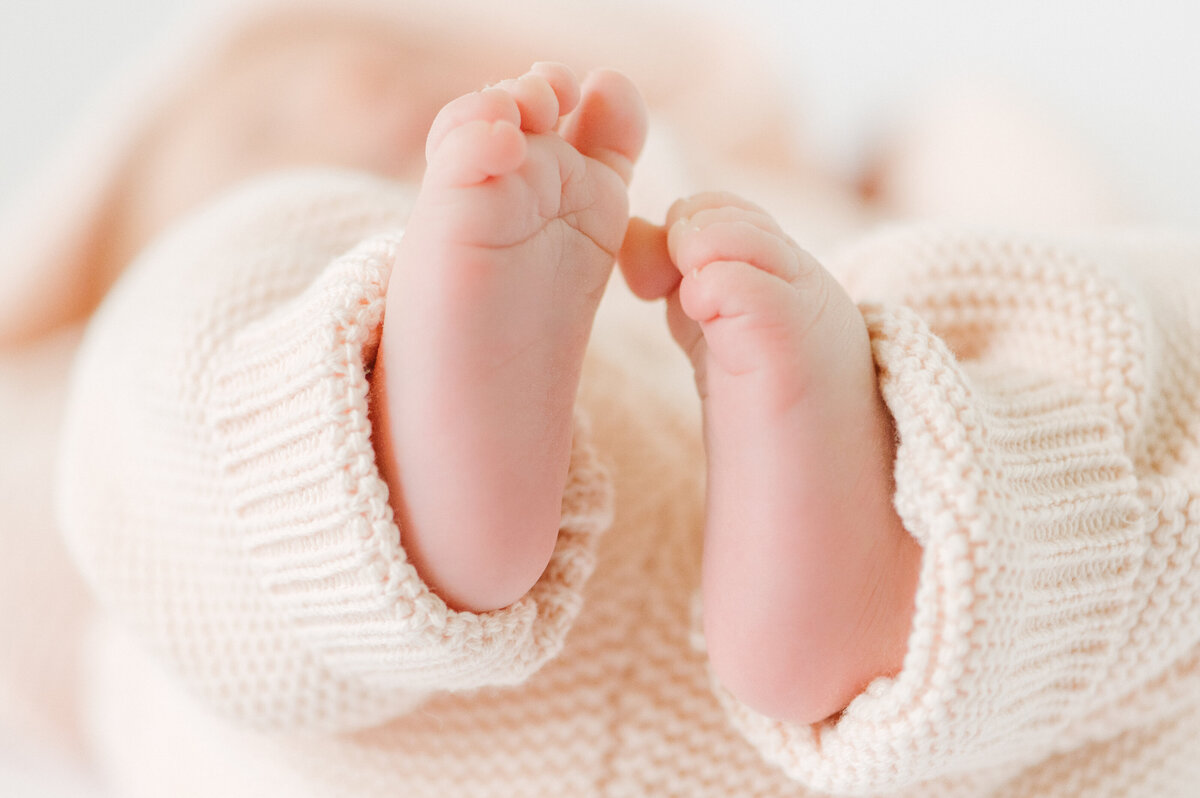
{"points": [[809, 577]]}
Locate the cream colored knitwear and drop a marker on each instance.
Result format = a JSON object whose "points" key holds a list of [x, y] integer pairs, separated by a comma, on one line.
{"points": [[265, 635]]}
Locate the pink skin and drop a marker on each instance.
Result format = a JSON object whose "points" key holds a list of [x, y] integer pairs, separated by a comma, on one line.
{"points": [[809, 577], [514, 234]]}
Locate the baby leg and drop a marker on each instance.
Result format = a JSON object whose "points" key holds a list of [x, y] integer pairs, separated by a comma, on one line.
{"points": [[809, 576], [505, 257]]}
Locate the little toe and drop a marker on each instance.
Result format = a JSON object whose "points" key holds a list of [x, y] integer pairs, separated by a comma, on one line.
{"points": [[562, 80], [489, 105], [749, 317], [645, 260], [536, 100], [726, 289], [691, 247], [722, 203], [609, 125], [732, 213], [473, 152]]}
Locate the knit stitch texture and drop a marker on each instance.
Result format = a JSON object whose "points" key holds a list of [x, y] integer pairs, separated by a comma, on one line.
{"points": [[266, 634]]}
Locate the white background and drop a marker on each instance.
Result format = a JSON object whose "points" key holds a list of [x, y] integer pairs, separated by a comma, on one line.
{"points": [[1124, 78]]}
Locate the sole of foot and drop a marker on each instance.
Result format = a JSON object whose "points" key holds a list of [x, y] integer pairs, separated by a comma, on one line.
{"points": [[808, 574], [510, 244]]}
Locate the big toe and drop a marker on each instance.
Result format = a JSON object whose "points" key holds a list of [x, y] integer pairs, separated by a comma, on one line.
{"points": [[609, 124]]}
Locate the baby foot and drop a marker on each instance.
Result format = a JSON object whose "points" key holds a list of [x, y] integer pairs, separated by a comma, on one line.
{"points": [[503, 262], [808, 575]]}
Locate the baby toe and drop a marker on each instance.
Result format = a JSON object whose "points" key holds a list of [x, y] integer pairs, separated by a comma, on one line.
{"points": [[749, 317], [649, 271], [610, 123], [473, 152], [536, 100], [562, 80], [692, 246], [732, 213], [722, 202], [489, 105]]}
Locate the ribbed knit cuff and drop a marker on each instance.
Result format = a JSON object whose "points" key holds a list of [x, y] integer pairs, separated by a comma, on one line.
{"points": [[1019, 491], [290, 417]]}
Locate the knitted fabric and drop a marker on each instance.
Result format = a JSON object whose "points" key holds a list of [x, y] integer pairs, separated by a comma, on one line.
{"points": [[264, 634]]}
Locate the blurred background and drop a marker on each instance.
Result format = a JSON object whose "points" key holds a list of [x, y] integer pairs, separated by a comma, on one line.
{"points": [[1122, 78], [1118, 81]]}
